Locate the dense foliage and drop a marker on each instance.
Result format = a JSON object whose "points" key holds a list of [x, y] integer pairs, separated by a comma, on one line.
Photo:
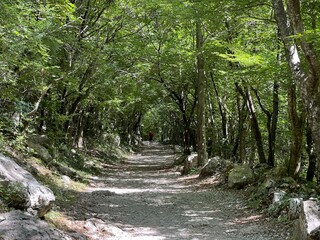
{"points": [[84, 71]]}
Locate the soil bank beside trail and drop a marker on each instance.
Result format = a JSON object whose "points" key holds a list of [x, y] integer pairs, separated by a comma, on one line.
{"points": [[143, 199]]}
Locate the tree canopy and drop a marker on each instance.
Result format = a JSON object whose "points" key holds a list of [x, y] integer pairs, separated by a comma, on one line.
{"points": [[238, 79]]}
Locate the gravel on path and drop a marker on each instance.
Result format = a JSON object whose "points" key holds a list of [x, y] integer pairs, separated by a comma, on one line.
{"points": [[143, 199]]}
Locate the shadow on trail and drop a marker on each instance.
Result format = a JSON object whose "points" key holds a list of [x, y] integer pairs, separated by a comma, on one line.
{"points": [[149, 201]]}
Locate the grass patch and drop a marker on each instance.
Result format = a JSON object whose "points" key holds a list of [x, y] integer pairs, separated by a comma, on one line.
{"points": [[58, 220]]}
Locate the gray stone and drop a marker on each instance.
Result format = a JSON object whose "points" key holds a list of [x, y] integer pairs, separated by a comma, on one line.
{"points": [[18, 225], [27, 192], [40, 151], [179, 160], [64, 170], [66, 180], [213, 165], [99, 229], [268, 183], [177, 149], [190, 162], [308, 225], [278, 196], [240, 176], [294, 208], [40, 139]]}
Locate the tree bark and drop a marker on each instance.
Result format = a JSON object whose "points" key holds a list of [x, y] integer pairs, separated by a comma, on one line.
{"points": [[312, 158], [272, 120], [308, 82], [254, 122], [274, 124], [297, 127], [242, 132], [224, 122], [201, 116]]}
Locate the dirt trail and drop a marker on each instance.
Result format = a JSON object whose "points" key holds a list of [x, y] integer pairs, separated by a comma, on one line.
{"points": [[142, 199]]}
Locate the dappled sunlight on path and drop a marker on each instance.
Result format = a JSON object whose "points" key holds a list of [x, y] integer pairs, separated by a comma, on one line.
{"points": [[147, 200]]}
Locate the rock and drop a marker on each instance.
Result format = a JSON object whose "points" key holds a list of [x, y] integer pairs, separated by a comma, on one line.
{"points": [[261, 171], [308, 225], [278, 196], [98, 229], [42, 140], [179, 169], [40, 151], [278, 203], [212, 166], [240, 176], [268, 183], [22, 190], [179, 160], [294, 208], [177, 149], [66, 180], [64, 170], [288, 183], [190, 162], [18, 225]]}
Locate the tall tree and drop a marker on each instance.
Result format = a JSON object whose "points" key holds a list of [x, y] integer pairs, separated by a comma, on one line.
{"points": [[290, 23], [201, 94]]}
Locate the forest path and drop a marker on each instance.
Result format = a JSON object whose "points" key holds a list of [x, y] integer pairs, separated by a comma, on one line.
{"points": [[147, 201]]}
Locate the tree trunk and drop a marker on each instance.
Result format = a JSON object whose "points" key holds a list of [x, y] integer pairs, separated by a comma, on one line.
{"points": [[297, 126], [272, 120], [312, 158], [224, 122], [274, 123], [256, 128], [254, 122], [201, 116], [186, 140], [242, 131], [308, 82]]}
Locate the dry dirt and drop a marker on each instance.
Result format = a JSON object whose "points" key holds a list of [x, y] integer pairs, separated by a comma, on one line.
{"points": [[143, 199]]}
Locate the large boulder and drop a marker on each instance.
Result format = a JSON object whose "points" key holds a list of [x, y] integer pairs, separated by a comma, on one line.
{"points": [[308, 225], [240, 176], [215, 164], [40, 139], [19, 188], [18, 225], [40, 151]]}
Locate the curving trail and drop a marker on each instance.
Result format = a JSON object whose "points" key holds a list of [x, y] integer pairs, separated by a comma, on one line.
{"points": [[143, 199]]}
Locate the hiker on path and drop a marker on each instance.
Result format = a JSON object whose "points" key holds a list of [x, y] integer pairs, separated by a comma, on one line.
{"points": [[151, 136]]}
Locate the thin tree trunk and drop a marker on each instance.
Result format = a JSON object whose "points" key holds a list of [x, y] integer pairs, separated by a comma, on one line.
{"points": [[254, 122], [242, 131], [274, 124], [312, 157], [256, 128], [201, 116], [272, 119], [224, 122]]}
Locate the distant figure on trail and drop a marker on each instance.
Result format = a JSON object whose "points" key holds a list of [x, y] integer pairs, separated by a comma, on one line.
{"points": [[151, 135]]}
